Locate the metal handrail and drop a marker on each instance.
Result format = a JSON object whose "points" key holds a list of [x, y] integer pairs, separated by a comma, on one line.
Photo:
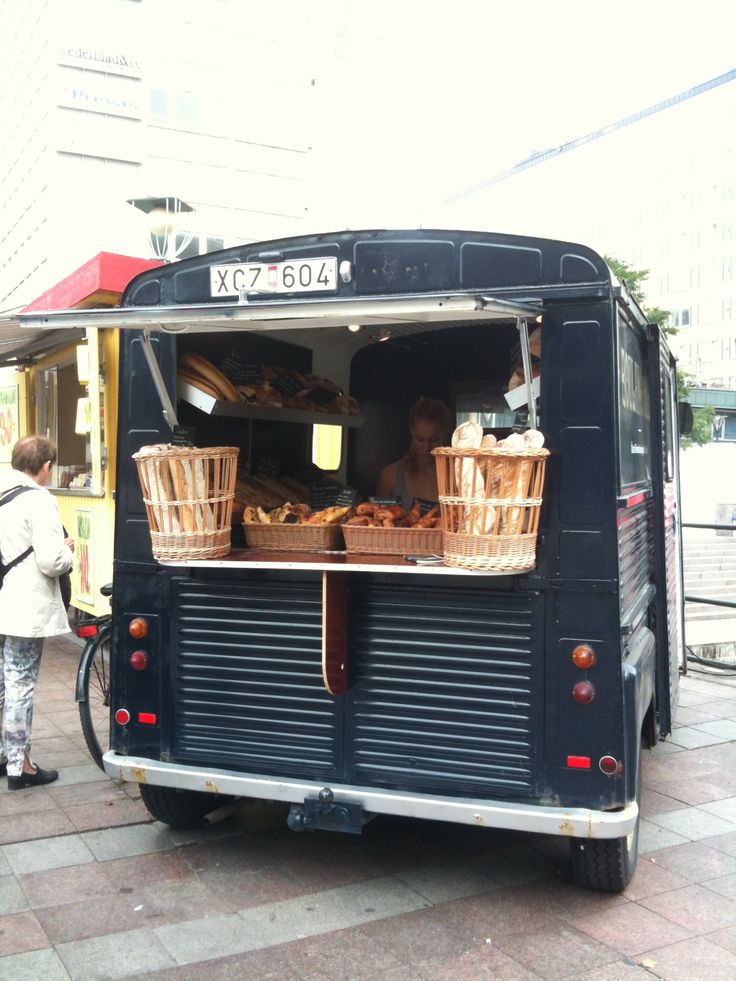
{"points": [[707, 600]]}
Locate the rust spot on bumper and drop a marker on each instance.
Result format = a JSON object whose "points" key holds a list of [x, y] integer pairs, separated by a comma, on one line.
{"points": [[478, 820], [211, 787], [138, 773], [566, 828]]}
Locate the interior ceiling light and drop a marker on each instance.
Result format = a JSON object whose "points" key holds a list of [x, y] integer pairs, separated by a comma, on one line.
{"points": [[354, 328]]}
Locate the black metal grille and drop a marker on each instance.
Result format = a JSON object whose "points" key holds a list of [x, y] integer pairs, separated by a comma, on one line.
{"points": [[446, 688], [248, 678]]}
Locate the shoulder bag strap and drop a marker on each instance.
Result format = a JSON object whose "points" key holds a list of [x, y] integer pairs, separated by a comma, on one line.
{"points": [[5, 499]]}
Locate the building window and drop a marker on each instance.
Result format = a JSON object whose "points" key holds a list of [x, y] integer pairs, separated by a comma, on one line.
{"points": [[157, 103], [680, 318]]}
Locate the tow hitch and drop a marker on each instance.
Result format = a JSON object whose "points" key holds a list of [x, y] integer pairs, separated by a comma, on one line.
{"points": [[321, 812]]}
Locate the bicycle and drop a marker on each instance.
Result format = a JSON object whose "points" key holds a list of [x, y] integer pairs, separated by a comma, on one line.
{"points": [[93, 681]]}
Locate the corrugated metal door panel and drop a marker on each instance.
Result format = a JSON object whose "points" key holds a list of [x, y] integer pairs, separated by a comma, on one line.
{"points": [[446, 689], [635, 549], [248, 678]]}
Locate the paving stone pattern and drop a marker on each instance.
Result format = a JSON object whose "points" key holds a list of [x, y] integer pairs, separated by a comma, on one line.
{"points": [[91, 888]]}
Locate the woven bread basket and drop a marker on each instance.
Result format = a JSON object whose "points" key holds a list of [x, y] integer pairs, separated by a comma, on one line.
{"points": [[490, 501], [188, 494]]}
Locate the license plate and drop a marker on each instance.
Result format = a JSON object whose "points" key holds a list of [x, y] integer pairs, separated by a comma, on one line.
{"points": [[289, 276]]}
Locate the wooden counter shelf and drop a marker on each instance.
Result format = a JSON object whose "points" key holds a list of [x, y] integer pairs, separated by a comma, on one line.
{"points": [[323, 561]]}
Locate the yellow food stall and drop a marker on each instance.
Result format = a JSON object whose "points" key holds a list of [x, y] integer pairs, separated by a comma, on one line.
{"points": [[65, 385]]}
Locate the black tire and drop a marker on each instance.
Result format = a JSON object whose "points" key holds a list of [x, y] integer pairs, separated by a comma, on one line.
{"points": [[94, 709], [607, 864], [179, 808]]}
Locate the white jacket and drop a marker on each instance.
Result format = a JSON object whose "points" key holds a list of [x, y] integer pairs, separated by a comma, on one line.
{"points": [[30, 598]]}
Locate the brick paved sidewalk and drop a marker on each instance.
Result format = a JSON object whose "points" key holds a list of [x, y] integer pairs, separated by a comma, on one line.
{"points": [[91, 888]]}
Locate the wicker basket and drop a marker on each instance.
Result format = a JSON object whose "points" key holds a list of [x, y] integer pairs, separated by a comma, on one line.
{"points": [[188, 494], [393, 541], [489, 502], [294, 538]]}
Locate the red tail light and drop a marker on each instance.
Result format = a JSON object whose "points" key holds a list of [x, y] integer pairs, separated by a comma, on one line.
{"points": [[122, 717], [139, 660], [86, 630], [583, 692]]}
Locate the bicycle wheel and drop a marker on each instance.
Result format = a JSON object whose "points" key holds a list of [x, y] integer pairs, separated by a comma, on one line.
{"points": [[94, 708]]}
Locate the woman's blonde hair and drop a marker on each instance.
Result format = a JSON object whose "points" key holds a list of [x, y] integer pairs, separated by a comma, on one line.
{"points": [[433, 411]]}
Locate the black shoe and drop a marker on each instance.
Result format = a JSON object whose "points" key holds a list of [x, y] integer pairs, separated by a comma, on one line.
{"points": [[35, 779], [3, 769]]}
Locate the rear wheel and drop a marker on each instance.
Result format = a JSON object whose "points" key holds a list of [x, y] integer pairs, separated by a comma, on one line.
{"points": [[179, 808], [94, 709], [607, 864]]}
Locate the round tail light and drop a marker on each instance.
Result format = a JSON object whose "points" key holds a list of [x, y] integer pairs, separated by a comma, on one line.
{"points": [[584, 656], [608, 765], [138, 628], [122, 717], [583, 692], [139, 660]]}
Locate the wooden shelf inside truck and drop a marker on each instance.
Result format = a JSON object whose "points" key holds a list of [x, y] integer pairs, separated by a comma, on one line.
{"points": [[268, 413]]}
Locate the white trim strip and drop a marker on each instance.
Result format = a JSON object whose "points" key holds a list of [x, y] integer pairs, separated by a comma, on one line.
{"points": [[576, 822], [289, 314]]}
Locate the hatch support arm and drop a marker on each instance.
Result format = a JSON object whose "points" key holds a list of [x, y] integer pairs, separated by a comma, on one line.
{"points": [[153, 366], [527, 363]]}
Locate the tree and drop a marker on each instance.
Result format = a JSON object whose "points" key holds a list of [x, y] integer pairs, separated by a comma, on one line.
{"points": [[634, 279], [702, 431]]}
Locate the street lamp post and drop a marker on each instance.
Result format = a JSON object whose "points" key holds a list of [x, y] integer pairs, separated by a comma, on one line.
{"points": [[164, 215]]}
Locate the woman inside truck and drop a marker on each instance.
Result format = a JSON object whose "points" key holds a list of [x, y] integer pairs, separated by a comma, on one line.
{"points": [[415, 474]]}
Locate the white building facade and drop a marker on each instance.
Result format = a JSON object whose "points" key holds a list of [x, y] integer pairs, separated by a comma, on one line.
{"points": [[110, 100], [658, 194]]}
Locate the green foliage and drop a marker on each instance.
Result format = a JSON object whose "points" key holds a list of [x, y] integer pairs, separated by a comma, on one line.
{"points": [[634, 280], [702, 428]]}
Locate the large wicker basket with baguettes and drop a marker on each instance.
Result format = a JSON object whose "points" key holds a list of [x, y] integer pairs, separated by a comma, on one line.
{"points": [[490, 501], [188, 494]]}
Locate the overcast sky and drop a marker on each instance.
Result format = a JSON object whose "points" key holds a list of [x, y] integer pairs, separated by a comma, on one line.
{"points": [[428, 98]]}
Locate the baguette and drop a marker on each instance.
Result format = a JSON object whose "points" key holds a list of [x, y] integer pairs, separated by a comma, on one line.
{"points": [[198, 382], [201, 366]]}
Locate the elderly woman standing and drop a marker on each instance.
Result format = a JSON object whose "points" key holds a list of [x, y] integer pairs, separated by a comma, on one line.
{"points": [[34, 554]]}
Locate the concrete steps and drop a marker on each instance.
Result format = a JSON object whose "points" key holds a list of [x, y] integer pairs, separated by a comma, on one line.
{"points": [[710, 571]]}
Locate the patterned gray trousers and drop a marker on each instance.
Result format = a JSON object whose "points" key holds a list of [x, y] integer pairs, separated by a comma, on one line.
{"points": [[20, 660]]}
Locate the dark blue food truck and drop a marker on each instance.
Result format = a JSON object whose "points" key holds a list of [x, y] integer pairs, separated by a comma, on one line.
{"points": [[349, 683]]}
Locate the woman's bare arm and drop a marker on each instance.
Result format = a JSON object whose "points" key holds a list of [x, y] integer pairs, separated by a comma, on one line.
{"points": [[386, 480]]}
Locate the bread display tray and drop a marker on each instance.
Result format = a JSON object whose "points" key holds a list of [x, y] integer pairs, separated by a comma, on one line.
{"points": [[294, 538], [393, 541]]}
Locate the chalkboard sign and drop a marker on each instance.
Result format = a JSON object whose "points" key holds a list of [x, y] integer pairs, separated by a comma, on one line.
{"points": [[267, 466], [323, 496], [347, 497], [424, 506], [183, 436], [331, 495], [241, 372], [287, 384], [385, 502]]}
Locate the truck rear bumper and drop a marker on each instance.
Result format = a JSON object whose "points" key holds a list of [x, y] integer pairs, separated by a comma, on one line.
{"points": [[577, 822]]}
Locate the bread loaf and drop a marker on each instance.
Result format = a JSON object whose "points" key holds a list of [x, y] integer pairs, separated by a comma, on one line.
{"points": [[198, 365], [198, 382]]}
